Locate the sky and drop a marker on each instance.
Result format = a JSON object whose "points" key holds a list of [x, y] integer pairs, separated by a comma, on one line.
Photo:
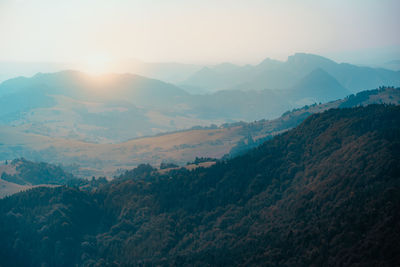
{"points": [[206, 31]]}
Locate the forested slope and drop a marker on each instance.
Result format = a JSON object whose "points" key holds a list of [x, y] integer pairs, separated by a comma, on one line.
{"points": [[324, 193]]}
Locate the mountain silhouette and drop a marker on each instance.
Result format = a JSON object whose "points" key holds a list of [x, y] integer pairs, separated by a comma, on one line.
{"points": [[273, 74], [318, 86]]}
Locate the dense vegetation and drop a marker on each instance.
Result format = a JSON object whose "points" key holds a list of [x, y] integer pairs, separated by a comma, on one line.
{"points": [[324, 193], [29, 174], [290, 119], [33, 173]]}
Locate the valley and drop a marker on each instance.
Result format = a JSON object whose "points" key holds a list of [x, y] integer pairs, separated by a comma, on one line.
{"points": [[91, 159]]}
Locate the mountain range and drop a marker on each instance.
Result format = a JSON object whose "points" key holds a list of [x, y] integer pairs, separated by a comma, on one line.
{"points": [[113, 108], [273, 74]]}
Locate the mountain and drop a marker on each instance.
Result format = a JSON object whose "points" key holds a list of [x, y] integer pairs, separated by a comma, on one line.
{"points": [[171, 72], [116, 107], [205, 78], [106, 108], [392, 65], [219, 77], [272, 74], [13, 69], [324, 193], [178, 147], [166, 71], [240, 105], [318, 86], [137, 89]]}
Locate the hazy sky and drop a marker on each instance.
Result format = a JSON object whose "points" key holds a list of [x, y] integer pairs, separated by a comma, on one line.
{"points": [[203, 31]]}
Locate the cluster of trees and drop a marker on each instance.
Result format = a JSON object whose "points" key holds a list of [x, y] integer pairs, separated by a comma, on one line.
{"points": [[199, 160], [167, 165], [33, 173], [41, 173], [324, 193]]}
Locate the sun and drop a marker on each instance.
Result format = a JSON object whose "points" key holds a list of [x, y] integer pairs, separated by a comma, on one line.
{"points": [[97, 63]]}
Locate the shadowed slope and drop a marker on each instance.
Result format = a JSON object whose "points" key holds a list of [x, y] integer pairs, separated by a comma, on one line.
{"points": [[324, 193]]}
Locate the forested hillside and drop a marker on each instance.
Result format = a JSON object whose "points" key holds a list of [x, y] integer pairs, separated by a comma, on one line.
{"points": [[25, 172], [324, 193]]}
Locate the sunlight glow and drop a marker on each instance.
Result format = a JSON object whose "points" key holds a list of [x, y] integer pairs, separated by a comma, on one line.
{"points": [[97, 64]]}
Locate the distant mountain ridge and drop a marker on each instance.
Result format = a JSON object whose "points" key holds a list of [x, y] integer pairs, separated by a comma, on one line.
{"points": [[117, 107], [112, 108], [78, 85], [318, 86], [166, 71], [106, 108], [273, 74]]}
